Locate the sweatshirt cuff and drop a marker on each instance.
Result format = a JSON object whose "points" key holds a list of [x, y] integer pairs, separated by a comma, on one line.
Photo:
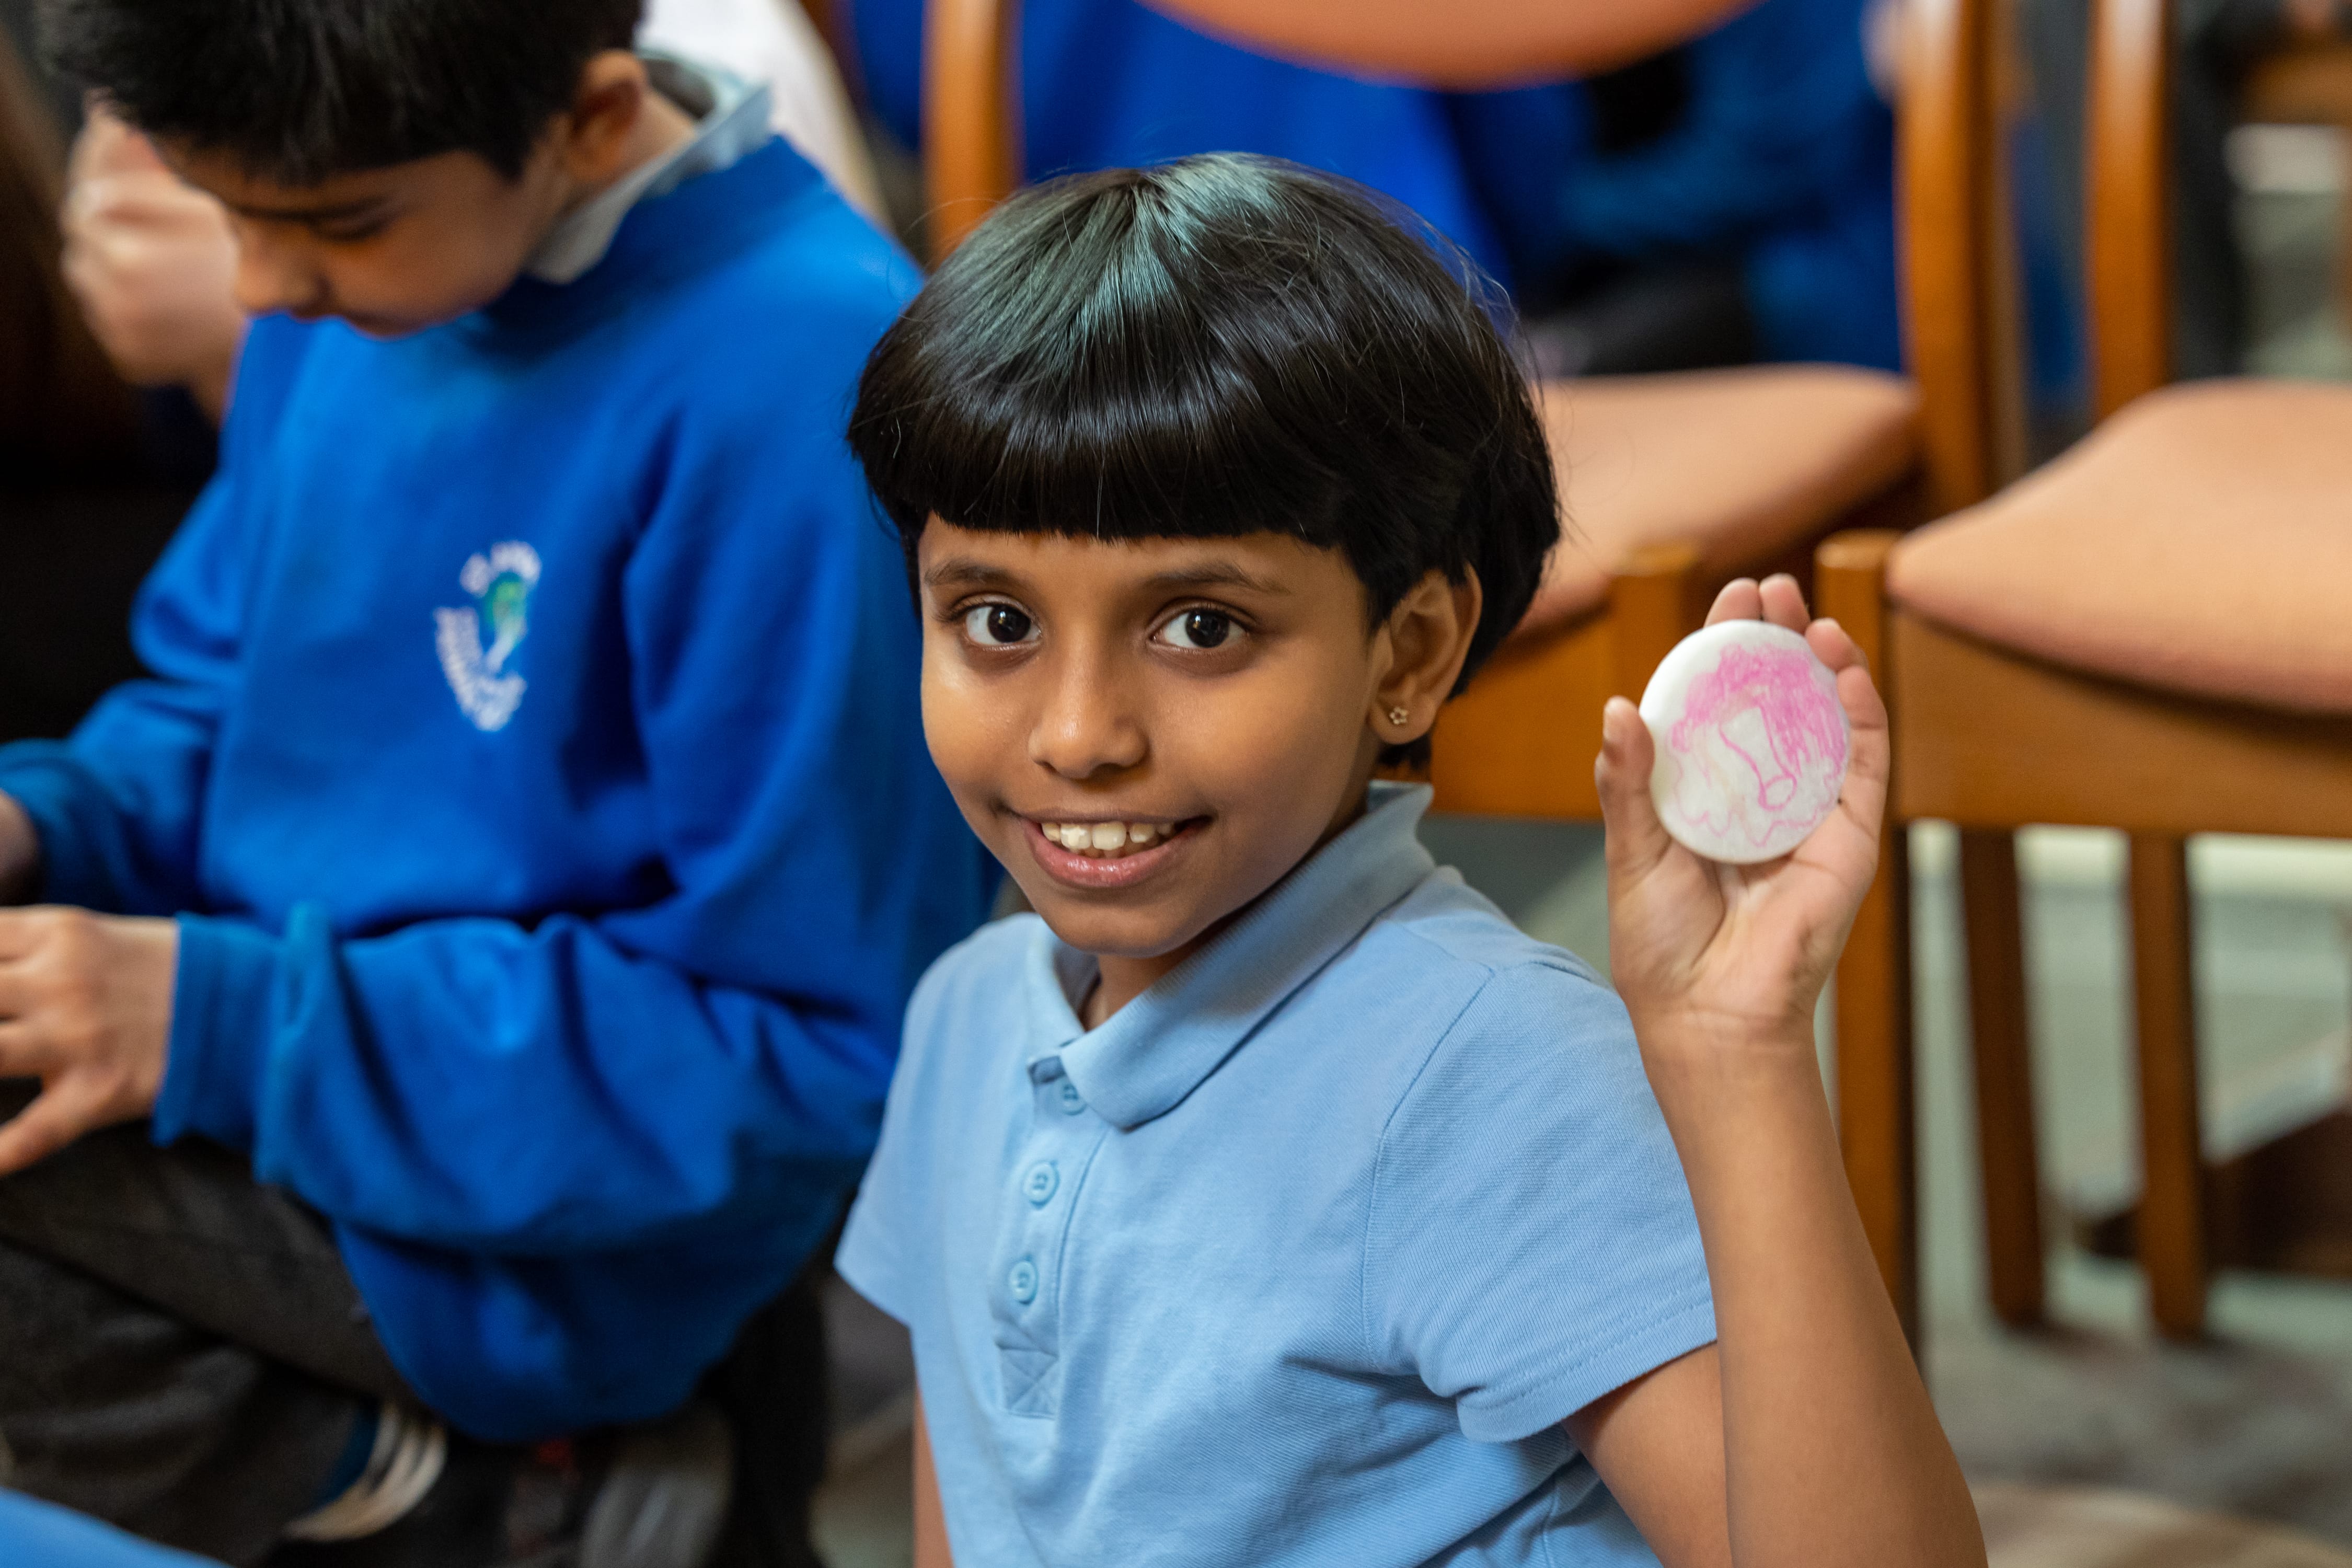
{"points": [[42, 777], [222, 1004]]}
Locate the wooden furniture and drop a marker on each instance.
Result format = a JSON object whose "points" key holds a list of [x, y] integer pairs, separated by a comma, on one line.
{"points": [[2145, 634], [1674, 484], [2309, 85]]}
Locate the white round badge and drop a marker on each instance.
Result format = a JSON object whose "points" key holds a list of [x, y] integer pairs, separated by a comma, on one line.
{"points": [[1753, 742]]}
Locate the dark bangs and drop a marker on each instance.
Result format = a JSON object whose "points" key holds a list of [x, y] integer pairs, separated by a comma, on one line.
{"points": [[1219, 346]]}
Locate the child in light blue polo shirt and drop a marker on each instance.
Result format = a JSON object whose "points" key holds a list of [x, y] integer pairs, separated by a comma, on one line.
{"points": [[1267, 1197]]}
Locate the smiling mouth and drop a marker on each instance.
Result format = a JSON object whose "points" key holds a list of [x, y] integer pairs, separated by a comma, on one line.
{"points": [[1109, 841], [1107, 857]]}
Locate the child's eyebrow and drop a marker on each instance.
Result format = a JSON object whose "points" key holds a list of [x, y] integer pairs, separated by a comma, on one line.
{"points": [[958, 571], [328, 212], [1218, 574]]}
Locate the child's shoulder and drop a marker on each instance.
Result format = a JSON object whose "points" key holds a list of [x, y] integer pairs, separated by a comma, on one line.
{"points": [[1449, 925], [982, 984], [815, 254], [1486, 1003]]}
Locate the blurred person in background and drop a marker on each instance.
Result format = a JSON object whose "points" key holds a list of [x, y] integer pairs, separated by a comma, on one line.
{"points": [[1727, 201], [1110, 83]]}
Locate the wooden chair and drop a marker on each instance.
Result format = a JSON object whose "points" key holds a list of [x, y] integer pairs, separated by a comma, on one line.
{"points": [[2310, 84], [1674, 483], [2145, 634]]}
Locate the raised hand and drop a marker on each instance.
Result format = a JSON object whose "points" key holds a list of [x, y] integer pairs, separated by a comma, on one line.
{"points": [[154, 263], [1734, 957]]}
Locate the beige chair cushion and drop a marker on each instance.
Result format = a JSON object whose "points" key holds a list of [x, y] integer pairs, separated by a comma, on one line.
{"points": [[1745, 465], [2200, 541]]}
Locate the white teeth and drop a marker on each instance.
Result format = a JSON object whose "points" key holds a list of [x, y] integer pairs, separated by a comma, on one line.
{"points": [[1101, 838]]}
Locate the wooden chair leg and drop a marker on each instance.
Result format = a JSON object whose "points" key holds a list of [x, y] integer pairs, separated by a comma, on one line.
{"points": [[2173, 1244], [1652, 607], [2009, 1170], [1873, 978]]}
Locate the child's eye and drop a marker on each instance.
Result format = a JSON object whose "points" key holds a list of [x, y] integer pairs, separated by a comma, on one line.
{"points": [[998, 626], [1198, 628]]}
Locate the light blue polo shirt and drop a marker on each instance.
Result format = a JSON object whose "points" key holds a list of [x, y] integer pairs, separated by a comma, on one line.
{"points": [[1302, 1258]]}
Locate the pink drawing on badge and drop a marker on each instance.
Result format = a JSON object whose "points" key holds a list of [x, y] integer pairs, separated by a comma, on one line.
{"points": [[1762, 745]]}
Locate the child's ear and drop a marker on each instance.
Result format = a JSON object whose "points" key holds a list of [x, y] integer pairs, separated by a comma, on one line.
{"points": [[595, 133], [1427, 639]]}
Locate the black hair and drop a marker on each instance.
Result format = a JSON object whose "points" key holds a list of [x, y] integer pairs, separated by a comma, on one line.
{"points": [[1218, 346], [299, 90]]}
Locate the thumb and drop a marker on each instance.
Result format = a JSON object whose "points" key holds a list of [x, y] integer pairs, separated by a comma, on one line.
{"points": [[1637, 839]]}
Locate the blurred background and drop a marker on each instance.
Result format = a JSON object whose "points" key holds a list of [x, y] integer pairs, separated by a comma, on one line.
{"points": [[1654, 215]]}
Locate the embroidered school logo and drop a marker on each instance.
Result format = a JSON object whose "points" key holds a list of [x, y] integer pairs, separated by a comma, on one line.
{"points": [[476, 642]]}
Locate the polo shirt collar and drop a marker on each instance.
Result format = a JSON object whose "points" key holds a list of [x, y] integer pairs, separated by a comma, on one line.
{"points": [[731, 123], [1163, 1045]]}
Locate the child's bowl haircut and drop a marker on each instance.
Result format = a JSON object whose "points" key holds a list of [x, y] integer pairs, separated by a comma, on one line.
{"points": [[1218, 346]]}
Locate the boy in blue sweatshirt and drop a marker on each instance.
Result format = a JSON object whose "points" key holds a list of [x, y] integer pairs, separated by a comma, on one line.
{"points": [[510, 881]]}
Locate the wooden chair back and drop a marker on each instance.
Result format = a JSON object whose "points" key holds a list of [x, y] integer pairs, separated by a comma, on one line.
{"points": [[2127, 255], [1961, 311]]}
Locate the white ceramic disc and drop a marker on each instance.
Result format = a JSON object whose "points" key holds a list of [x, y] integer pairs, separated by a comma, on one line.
{"points": [[1753, 742]]}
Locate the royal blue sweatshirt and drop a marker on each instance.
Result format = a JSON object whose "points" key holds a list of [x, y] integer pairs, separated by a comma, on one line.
{"points": [[1110, 83], [533, 759]]}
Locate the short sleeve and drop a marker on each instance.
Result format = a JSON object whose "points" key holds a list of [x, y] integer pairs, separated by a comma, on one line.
{"points": [[1531, 1244]]}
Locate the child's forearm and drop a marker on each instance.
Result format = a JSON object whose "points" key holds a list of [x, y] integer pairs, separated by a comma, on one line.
{"points": [[1833, 1453], [930, 1520]]}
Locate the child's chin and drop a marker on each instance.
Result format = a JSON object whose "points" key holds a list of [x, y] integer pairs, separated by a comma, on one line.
{"points": [[1135, 934]]}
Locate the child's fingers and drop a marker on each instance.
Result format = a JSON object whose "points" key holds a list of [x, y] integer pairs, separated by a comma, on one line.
{"points": [[1783, 601], [1863, 799], [1739, 601], [43, 1128], [1833, 646], [1637, 839]]}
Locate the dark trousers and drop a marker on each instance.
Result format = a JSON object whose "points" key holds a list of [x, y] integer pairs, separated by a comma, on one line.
{"points": [[183, 1354], [182, 1350]]}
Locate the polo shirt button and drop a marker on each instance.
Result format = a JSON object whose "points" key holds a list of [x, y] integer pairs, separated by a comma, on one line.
{"points": [[1072, 1101], [1023, 1281], [1041, 1181]]}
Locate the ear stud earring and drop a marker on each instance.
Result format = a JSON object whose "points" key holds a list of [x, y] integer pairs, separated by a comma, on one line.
{"points": [[1400, 717]]}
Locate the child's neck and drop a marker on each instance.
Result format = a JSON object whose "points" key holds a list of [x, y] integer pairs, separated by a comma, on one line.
{"points": [[1120, 980], [661, 128]]}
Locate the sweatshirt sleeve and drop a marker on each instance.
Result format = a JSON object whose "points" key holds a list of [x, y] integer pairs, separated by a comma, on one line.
{"points": [[712, 1060], [119, 807]]}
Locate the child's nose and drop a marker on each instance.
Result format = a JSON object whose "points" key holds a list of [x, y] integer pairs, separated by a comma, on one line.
{"points": [[1088, 728], [272, 276]]}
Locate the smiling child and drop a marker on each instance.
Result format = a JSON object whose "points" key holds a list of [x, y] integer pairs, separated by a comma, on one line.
{"points": [[1266, 1196]]}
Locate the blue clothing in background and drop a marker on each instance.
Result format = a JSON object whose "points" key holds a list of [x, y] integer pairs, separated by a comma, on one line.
{"points": [[1304, 1257], [37, 1535], [1110, 83], [533, 751], [1784, 156]]}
